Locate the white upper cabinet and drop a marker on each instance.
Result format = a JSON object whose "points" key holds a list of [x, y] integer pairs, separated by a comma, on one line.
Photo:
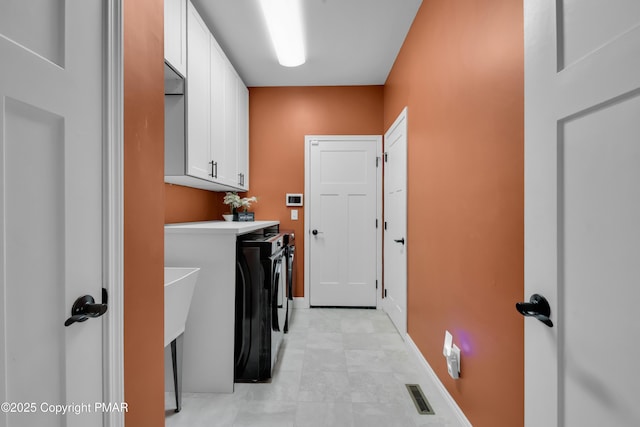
{"points": [[175, 35], [214, 153]]}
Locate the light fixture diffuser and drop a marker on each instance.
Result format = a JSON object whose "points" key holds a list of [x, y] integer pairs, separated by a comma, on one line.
{"points": [[284, 20]]}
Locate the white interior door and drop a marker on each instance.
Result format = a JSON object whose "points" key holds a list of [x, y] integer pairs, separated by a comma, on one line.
{"points": [[582, 211], [51, 142], [395, 223], [342, 221]]}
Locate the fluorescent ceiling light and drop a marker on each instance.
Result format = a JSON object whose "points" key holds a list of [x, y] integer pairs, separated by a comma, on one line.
{"points": [[284, 20]]}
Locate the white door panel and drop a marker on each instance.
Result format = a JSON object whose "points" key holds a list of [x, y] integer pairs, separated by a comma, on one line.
{"points": [[343, 209], [51, 142], [395, 219], [582, 204]]}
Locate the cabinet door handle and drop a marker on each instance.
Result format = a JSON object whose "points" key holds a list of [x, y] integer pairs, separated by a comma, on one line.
{"points": [[211, 174], [214, 169], [239, 179]]}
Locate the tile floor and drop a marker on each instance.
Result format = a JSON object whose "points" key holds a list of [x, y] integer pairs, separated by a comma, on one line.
{"points": [[337, 368]]}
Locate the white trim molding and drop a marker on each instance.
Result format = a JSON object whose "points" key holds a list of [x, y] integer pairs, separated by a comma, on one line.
{"points": [[113, 229], [413, 348]]}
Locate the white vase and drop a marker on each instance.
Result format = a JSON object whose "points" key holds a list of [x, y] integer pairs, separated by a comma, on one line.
{"points": [[228, 217]]}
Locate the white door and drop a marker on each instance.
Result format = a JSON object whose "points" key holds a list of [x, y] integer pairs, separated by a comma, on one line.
{"points": [[582, 212], [51, 141], [395, 223], [342, 234]]}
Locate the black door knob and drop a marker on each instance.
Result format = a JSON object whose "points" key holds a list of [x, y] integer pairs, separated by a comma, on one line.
{"points": [[537, 307], [314, 232], [86, 307]]}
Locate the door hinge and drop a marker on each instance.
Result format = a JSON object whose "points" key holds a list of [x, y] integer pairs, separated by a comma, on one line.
{"points": [[377, 159], [385, 225], [385, 293], [386, 157], [376, 283], [376, 222]]}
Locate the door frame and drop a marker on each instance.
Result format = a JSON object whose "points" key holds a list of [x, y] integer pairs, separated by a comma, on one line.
{"points": [[113, 220], [307, 191]]}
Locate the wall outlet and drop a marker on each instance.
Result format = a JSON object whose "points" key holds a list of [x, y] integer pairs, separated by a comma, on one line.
{"points": [[453, 362], [451, 352]]}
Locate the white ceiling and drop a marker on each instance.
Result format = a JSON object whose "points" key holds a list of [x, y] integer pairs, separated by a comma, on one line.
{"points": [[348, 42]]}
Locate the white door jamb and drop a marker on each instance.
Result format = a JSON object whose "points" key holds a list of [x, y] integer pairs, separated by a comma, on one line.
{"points": [[113, 230]]}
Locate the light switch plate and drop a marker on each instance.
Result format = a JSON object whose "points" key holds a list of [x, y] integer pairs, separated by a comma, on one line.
{"points": [[294, 214], [448, 341]]}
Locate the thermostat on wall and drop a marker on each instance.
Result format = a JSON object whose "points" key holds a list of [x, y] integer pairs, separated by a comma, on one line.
{"points": [[294, 199]]}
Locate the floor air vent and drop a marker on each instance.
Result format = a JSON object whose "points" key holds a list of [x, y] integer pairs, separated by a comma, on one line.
{"points": [[421, 402]]}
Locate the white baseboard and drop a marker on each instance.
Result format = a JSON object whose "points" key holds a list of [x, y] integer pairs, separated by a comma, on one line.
{"points": [[432, 375]]}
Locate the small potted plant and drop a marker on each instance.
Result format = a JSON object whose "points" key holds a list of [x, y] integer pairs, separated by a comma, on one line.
{"points": [[235, 202]]}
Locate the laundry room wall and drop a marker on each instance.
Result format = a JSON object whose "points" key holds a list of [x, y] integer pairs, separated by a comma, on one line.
{"points": [[186, 204], [460, 72], [279, 119], [143, 212]]}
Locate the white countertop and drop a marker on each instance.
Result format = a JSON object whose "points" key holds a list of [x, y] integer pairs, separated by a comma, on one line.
{"points": [[218, 227]]}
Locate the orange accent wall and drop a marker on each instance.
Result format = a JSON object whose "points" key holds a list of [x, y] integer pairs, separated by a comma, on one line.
{"points": [[460, 72], [143, 212], [279, 119], [185, 204]]}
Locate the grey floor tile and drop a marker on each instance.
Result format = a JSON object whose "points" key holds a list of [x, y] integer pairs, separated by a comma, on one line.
{"points": [[361, 341], [325, 340], [367, 361], [336, 368], [323, 359], [381, 415], [324, 414], [266, 414], [360, 325], [324, 386], [371, 387]]}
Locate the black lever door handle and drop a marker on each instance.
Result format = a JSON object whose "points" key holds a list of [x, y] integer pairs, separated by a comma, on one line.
{"points": [[537, 307], [86, 307], [399, 240]]}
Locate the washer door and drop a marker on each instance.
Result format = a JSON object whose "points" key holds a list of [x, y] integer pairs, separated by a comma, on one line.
{"points": [[277, 292], [243, 314]]}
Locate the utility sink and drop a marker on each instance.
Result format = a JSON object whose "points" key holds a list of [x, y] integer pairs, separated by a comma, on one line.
{"points": [[178, 290]]}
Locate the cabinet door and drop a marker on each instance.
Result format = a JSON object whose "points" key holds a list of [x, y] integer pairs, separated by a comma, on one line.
{"points": [[231, 125], [198, 98], [218, 143], [175, 35], [243, 135]]}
